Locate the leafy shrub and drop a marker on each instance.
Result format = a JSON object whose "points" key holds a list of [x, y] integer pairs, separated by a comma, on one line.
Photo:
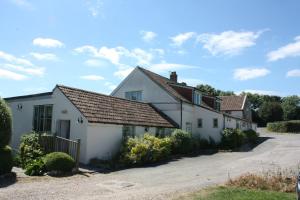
{"points": [[5, 124], [59, 161], [148, 149], [35, 168], [285, 126], [6, 160], [30, 149], [251, 136], [204, 143], [17, 160], [232, 138], [181, 142]]}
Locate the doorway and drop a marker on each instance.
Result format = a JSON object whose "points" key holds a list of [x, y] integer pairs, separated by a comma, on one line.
{"points": [[63, 128]]}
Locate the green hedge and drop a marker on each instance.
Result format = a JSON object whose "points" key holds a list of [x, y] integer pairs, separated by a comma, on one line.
{"points": [[182, 142], [5, 124], [285, 126], [6, 160], [59, 161]]}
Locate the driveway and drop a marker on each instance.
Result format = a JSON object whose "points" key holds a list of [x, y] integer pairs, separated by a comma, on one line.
{"points": [[165, 181]]}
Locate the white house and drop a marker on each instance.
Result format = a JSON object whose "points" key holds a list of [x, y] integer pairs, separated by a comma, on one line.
{"points": [[143, 102]]}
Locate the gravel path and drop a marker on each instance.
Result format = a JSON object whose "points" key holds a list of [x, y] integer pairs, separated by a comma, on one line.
{"points": [[165, 181]]}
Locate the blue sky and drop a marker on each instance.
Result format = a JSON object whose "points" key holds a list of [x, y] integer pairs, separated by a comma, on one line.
{"points": [[232, 45]]}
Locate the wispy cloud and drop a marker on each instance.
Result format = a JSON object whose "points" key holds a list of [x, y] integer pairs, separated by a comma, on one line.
{"points": [[47, 43], [289, 50], [261, 92], [122, 73], [6, 74], [34, 71], [165, 67], [191, 81], [228, 42], [110, 85], [95, 7], [92, 77], [94, 63], [148, 36], [293, 73], [181, 38], [13, 59], [243, 74], [44, 56]]}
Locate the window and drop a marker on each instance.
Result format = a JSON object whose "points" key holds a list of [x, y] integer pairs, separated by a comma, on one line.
{"points": [[199, 123], [134, 95], [237, 125], [197, 98], [218, 105], [188, 127], [215, 123], [160, 132], [42, 118], [128, 131]]}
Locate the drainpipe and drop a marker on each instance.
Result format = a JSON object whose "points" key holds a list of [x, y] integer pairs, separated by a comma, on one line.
{"points": [[180, 113]]}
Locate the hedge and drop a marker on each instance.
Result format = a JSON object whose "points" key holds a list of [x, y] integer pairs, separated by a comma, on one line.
{"points": [[6, 160], [59, 161], [285, 126], [5, 124]]}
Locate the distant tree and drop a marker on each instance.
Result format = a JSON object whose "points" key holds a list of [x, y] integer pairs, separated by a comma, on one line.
{"points": [[291, 107], [207, 89], [270, 112]]}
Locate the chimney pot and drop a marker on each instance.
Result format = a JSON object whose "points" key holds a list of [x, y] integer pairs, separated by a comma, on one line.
{"points": [[173, 77]]}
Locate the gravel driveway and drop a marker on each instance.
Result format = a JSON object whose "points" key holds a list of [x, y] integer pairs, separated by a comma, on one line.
{"points": [[165, 181]]}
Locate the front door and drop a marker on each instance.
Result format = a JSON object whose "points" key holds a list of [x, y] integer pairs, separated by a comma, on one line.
{"points": [[63, 128]]}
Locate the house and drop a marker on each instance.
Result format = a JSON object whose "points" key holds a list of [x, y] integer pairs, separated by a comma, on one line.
{"points": [[238, 106], [100, 121], [143, 102]]}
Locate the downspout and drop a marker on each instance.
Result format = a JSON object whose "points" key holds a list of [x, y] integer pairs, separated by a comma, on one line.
{"points": [[180, 113]]}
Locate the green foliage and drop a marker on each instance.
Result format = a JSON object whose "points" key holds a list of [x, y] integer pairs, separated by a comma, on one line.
{"points": [[182, 142], [232, 138], [145, 150], [291, 107], [251, 136], [207, 89], [35, 168], [270, 112], [59, 161], [17, 160], [30, 149], [5, 124], [6, 160], [285, 126]]}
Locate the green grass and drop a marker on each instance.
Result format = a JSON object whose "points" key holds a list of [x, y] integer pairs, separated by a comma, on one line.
{"points": [[232, 193]]}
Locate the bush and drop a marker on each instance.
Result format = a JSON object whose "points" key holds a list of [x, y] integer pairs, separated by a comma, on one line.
{"points": [[232, 138], [36, 168], [182, 142], [6, 160], [30, 149], [59, 161], [5, 124], [285, 126], [251, 136], [145, 150]]}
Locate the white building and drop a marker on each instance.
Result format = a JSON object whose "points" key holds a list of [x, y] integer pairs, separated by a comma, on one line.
{"points": [[143, 102]]}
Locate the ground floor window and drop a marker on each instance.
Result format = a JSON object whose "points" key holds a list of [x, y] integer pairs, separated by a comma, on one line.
{"points": [[160, 132], [128, 131], [188, 126], [199, 123], [215, 123], [42, 118]]}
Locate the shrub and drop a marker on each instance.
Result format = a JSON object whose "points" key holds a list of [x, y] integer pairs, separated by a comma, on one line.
{"points": [[251, 136], [30, 149], [6, 160], [35, 168], [232, 138], [145, 150], [181, 142], [204, 143], [59, 161], [5, 124], [285, 126]]}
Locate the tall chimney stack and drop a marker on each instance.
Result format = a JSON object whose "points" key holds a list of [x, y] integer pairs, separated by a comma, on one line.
{"points": [[173, 77]]}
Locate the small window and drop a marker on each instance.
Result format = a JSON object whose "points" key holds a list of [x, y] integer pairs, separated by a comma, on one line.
{"points": [[160, 132], [42, 118], [199, 123], [128, 131], [197, 98], [134, 95], [215, 123], [146, 129], [188, 127]]}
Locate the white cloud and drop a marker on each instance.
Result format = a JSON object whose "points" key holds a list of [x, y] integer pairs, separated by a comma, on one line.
{"points": [[261, 92], [110, 85], [12, 59], [228, 42], [250, 73], [160, 52], [289, 50], [95, 7], [122, 73], [92, 77], [94, 63], [23, 4], [148, 36], [44, 56], [47, 42], [293, 73], [6, 74], [191, 81], [181, 38], [34, 71], [165, 67]]}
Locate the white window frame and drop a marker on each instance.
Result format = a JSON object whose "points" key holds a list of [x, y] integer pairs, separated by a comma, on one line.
{"points": [[187, 126], [134, 95], [197, 98], [128, 131], [42, 117]]}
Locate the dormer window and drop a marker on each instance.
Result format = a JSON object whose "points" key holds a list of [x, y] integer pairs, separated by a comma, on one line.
{"points": [[134, 95], [197, 98]]}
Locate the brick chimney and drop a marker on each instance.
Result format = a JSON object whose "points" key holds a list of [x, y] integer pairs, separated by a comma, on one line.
{"points": [[173, 77]]}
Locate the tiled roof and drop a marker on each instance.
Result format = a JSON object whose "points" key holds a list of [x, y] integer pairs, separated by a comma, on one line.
{"points": [[232, 102], [99, 108]]}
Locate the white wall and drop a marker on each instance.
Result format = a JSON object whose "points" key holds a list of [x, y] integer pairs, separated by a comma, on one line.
{"points": [[237, 114]]}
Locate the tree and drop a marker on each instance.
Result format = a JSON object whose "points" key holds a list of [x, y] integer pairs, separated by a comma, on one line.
{"points": [[270, 112], [291, 107], [5, 124], [207, 89]]}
